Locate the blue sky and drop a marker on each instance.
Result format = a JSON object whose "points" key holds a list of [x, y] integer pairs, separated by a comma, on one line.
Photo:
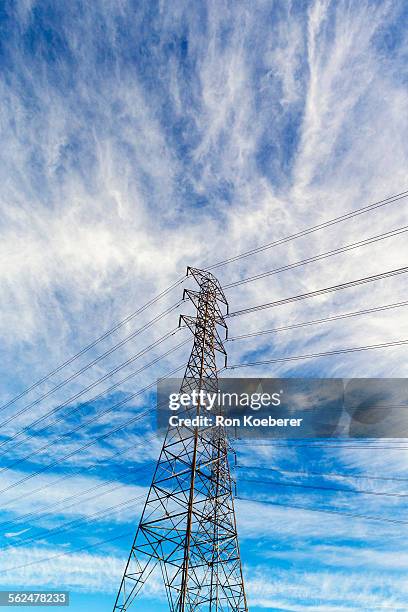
{"points": [[142, 137]]}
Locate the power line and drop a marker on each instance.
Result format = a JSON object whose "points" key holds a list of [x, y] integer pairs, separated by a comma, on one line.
{"points": [[45, 511], [380, 203], [66, 553], [314, 228], [94, 343], [80, 426], [92, 363], [101, 514], [50, 444], [317, 321], [326, 511], [323, 488], [95, 397], [88, 388], [320, 256], [322, 474], [328, 443], [311, 294], [311, 406], [64, 477], [70, 454], [90, 443], [375, 205], [106, 511], [60, 505], [367, 347]]}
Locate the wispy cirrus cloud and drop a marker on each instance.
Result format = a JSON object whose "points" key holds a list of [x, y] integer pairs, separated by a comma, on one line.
{"points": [[139, 139]]}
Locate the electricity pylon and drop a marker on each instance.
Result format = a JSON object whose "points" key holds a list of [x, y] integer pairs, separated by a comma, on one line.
{"points": [[188, 526]]}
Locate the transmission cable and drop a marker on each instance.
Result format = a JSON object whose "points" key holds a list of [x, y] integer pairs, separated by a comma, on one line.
{"points": [[311, 294], [317, 321], [320, 256], [329, 443], [257, 481], [50, 510], [92, 363], [378, 204], [125, 424], [78, 471], [40, 513], [68, 552], [314, 228], [94, 342], [326, 511], [106, 512], [79, 427], [322, 474], [367, 347], [323, 488], [129, 533], [95, 397]]}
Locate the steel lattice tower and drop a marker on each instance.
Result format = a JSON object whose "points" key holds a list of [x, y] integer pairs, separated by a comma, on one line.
{"points": [[188, 525]]}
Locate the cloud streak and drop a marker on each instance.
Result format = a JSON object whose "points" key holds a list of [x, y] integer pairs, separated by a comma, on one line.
{"points": [[138, 139]]}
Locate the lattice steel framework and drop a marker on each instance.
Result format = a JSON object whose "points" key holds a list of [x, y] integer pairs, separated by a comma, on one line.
{"points": [[188, 526]]}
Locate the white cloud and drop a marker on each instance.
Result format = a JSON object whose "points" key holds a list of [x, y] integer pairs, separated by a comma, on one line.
{"points": [[284, 120]]}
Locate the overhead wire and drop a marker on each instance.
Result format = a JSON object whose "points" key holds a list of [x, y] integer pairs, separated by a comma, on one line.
{"points": [[55, 463], [367, 517], [93, 343], [97, 360], [67, 476], [81, 426], [357, 212], [324, 488], [249, 335], [105, 512], [347, 443], [354, 349], [163, 314], [269, 502], [318, 321], [66, 553], [60, 507], [95, 397], [310, 230], [146, 441], [318, 292], [113, 431], [322, 474], [367, 208], [232, 314], [302, 262]]}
